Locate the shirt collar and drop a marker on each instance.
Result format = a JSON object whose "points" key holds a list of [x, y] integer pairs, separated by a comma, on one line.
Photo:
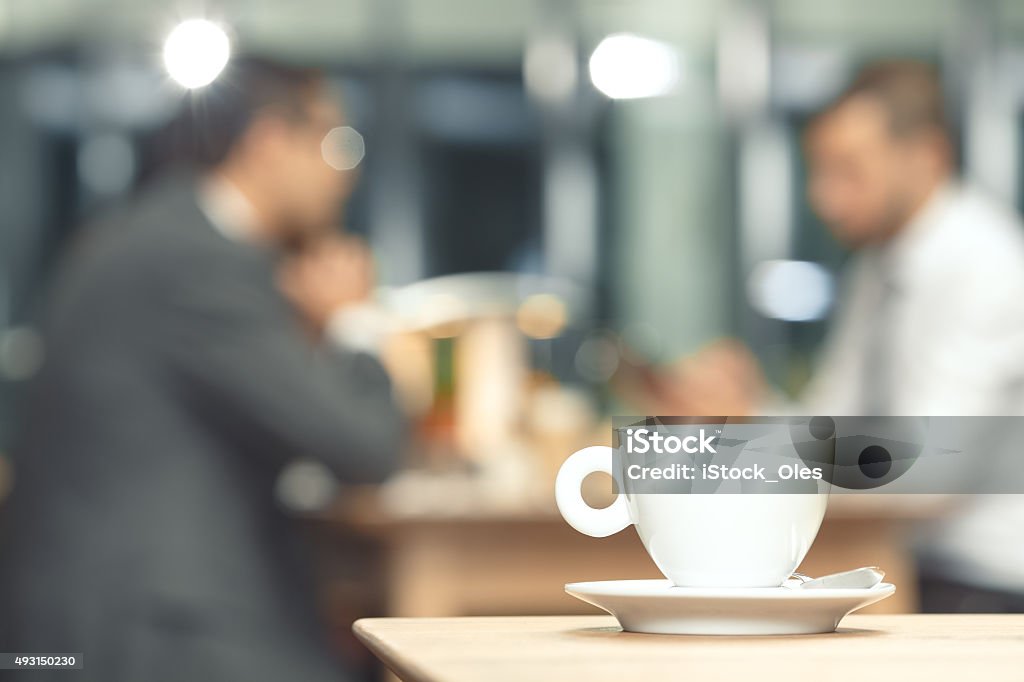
{"points": [[901, 256], [228, 209]]}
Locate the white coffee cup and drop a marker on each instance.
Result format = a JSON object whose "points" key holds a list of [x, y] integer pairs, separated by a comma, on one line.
{"points": [[699, 540]]}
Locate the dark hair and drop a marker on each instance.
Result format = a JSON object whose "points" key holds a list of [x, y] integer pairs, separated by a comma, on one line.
{"points": [[909, 91], [211, 120]]}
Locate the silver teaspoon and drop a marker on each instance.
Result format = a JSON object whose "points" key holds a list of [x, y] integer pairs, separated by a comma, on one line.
{"points": [[859, 578]]}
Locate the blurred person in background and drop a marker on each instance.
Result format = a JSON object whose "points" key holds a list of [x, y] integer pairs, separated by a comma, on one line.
{"points": [[931, 317], [196, 342]]}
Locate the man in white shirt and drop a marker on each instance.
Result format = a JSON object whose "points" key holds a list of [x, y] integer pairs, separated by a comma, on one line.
{"points": [[931, 318]]}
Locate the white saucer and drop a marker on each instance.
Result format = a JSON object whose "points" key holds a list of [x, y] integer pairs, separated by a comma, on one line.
{"points": [[656, 606]]}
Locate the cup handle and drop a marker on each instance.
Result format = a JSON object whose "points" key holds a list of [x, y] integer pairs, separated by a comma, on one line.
{"points": [[598, 523]]}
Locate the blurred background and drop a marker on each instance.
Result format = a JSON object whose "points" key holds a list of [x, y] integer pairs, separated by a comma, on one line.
{"points": [[562, 188], [658, 181]]}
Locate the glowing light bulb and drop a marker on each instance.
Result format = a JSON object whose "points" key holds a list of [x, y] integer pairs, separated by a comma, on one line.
{"points": [[195, 52], [627, 66]]}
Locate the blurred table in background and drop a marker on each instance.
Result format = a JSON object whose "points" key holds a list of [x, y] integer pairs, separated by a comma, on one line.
{"points": [[478, 558]]}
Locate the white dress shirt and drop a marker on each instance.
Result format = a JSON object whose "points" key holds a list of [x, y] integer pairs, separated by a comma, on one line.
{"points": [[954, 345], [954, 341]]}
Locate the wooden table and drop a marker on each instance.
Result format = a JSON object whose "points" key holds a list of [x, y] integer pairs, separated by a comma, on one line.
{"points": [[593, 649]]}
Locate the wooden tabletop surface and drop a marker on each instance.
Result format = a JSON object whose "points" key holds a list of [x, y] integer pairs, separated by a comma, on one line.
{"points": [[593, 649]]}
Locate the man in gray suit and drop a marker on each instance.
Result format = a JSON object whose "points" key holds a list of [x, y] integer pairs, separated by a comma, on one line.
{"points": [[188, 360]]}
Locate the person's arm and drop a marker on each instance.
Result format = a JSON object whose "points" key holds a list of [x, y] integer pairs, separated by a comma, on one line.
{"points": [[242, 360]]}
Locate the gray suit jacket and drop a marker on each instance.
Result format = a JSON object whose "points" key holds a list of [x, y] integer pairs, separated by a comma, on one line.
{"points": [[143, 529]]}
